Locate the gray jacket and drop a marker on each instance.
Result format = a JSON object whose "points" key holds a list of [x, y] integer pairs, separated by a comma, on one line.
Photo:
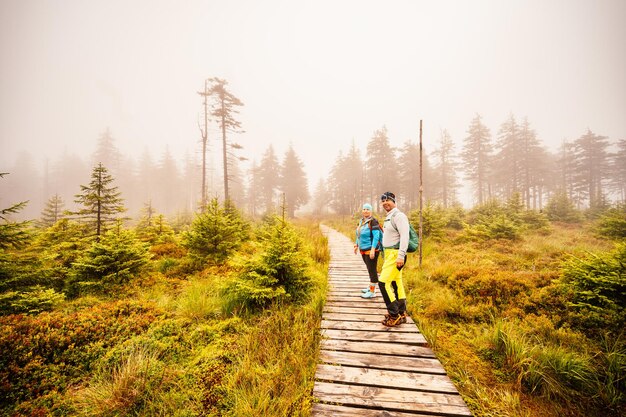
{"points": [[400, 233]]}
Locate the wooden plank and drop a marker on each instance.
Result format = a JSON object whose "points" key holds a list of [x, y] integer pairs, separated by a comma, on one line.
{"points": [[346, 309], [326, 410], [416, 339], [378, 348], [391, 399], [355, 301], [362, 317], [370, 305], [357, 284], [389, 362], [385, 378], [345, 299], [367, 326], [342, 292]]}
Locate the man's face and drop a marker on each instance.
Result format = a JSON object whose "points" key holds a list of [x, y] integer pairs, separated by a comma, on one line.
{"points": [[388, 204]]}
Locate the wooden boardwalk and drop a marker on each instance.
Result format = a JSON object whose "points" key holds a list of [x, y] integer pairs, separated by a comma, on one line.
{"points": [[367, 369]]}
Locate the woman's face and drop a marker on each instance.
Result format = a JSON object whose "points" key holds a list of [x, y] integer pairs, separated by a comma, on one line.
{"points": [[367, 212]]}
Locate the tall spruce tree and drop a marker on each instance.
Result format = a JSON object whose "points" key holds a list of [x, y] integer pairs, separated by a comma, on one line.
{"points": [[53, 211], [255, 198], [506, 174], [533, 162], [566, 167], [237, 187], [445, 182], [224, 109], [592, 167], [293, 182], [64, 172], [168, 193], [268, 179], [100, 200], [107, 153], [321, 196], [409, 176], [476, 157], [618, 171], [345, 183], [381, 171]]}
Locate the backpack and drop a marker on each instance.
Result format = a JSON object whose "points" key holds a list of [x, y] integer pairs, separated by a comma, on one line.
{"points": [[379, 246], [413, 236]]}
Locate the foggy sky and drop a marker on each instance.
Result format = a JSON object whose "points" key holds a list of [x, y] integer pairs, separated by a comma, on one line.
{"points": [[317, 74]]}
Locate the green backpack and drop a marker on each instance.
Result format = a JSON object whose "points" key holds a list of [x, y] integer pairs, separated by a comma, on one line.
{"points": [[413, 236]]}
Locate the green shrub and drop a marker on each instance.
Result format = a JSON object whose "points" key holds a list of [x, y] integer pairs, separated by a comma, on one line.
{"points": [[598, 284], [115, 259], [535, 220], [612, 223], [60, 245], [434, 219], [561, 209], [455, 216], [33, 301], [495, 227], [215, 234], [279, 273]]}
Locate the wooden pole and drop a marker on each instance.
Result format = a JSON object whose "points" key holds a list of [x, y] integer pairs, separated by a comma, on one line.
{"points": [[421, 195], [204, 133]]}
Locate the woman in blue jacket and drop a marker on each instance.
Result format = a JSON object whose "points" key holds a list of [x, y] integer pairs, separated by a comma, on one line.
{"points": [[368, 242]]}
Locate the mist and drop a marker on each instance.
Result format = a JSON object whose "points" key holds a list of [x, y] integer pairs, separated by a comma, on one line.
{"points": [[320, 77]]}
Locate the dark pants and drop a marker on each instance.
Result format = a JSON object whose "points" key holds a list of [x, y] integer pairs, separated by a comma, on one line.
{"points": [[398, 306], [371, 267]]}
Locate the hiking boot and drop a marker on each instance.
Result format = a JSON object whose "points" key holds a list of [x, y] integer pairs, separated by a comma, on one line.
{"points": [[392, 321], [368, 294], [403, 315]]}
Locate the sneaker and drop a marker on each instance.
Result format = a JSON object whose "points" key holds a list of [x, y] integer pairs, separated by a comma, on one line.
{"points": [[392, 321], [365, 289], [368, 294]]}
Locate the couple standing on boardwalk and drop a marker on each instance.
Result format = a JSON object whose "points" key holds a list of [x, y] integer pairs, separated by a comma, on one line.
{"points": [[394, 242]]}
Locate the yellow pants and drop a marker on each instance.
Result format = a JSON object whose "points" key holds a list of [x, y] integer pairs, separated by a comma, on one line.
{"points": [[391, 285]]}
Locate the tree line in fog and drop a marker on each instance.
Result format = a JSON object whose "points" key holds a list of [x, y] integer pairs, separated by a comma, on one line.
{"points": [[590, 171]]}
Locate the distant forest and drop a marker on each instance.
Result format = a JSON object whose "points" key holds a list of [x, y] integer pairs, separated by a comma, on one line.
{"points": [[590, 171]]}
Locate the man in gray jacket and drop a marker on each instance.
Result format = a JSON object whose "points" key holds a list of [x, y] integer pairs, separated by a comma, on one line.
{"points": [[395, 244]]}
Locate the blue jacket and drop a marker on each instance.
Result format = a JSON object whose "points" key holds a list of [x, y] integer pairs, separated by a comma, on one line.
{"points": [[366, 236]]}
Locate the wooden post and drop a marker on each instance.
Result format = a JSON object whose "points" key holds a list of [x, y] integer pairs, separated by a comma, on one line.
{"points": [[421, 193], [204, 133]]}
